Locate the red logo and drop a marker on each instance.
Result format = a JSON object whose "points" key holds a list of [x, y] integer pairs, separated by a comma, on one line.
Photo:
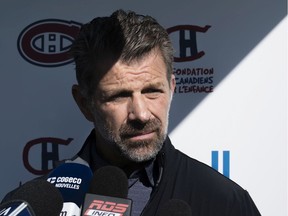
{"points": [[99, 207], [47, 154], [46, 42], [187, 45]]}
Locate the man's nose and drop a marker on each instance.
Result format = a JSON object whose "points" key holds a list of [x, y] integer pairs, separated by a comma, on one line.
{"points": [[138, 109]]}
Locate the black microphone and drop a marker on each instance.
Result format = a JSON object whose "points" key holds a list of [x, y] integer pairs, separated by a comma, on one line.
{"points": [[175, 207], [72, 180], [34, 198], [107, 193]]}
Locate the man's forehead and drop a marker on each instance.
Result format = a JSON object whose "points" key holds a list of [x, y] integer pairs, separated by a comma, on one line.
{"points": [[148, 69], [130, 84]]}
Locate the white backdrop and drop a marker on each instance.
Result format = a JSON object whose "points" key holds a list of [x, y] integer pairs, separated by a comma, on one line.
{"points": [[236, 51]]}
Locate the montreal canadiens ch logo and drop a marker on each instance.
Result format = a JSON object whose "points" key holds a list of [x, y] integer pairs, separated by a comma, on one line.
{"points": [[46, 42], [187, 43]]}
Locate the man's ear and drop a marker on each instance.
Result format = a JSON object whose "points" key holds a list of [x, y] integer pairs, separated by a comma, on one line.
{"points": [[82, 103], [172, 84]]}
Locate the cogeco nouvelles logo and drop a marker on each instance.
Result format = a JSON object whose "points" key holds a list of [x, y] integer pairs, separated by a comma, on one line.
{"points": [[66, 182], [46, 42]]}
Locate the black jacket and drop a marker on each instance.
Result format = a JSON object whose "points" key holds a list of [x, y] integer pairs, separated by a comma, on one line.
{"points": [[208, 192]]}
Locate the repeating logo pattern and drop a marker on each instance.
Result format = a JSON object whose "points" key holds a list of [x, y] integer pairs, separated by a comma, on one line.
{"points": [[188, 45], [46, 42], [46, 156]]}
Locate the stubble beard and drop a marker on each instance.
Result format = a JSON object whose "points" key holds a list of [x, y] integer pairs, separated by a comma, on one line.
{"points": [[137, 151]]}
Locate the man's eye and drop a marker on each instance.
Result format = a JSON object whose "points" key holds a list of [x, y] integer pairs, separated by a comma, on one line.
{"points": [[119, 96], [152, 91]]}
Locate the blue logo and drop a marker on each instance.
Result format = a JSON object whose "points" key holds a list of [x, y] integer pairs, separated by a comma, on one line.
{"points": [[226, 162]]}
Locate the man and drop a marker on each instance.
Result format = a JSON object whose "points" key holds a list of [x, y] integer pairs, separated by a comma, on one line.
{"points": [[125, 87], [124, 71]]}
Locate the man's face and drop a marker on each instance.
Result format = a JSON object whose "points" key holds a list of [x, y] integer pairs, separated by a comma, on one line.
{"points": [[131, 105]]}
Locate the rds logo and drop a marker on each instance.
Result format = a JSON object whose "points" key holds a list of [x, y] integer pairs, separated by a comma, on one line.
{"points": [[100, 207], [47, 42]]}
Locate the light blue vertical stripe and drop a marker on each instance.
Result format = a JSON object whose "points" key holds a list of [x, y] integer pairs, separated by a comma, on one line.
{"points": [[215, 160], [226, 163]]}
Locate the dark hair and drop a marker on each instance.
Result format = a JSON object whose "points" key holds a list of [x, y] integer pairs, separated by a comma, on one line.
{"points": [[124, 36]]}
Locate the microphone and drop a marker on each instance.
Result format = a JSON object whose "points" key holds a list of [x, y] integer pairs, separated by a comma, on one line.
{"points": [[16, 207], [175, 207], [34, 198], [107, 193], [72, 180]]}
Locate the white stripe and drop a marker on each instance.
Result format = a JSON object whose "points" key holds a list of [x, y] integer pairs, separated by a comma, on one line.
{"points": [[18, 209]]}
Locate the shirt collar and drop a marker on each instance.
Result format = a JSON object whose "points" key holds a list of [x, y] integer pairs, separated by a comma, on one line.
{"points": [[145, 175]]}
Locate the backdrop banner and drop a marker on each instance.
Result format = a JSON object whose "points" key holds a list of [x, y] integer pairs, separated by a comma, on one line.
{"points": [[229, 108]]}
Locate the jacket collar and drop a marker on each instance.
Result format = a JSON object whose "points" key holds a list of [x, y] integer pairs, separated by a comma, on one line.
{"points": [[89, 154]]}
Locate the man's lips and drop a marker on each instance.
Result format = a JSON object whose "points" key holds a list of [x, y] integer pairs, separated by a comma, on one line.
{"points": [[140, 136]]}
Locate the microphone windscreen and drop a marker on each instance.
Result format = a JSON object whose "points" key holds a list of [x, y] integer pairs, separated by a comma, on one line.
{"points": [[72, 180], [109, 181], [175, 207], [43, 197]]}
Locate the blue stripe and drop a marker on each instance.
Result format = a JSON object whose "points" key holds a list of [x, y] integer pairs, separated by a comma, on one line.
{"points": [[226, 163], [215, 160]]}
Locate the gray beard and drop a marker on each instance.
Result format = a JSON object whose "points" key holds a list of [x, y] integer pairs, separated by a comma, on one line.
{"points": [[134, 150], [139, 151]]}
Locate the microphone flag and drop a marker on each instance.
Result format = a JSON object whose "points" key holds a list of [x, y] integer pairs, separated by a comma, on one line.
{"points": [[105, 205]]}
